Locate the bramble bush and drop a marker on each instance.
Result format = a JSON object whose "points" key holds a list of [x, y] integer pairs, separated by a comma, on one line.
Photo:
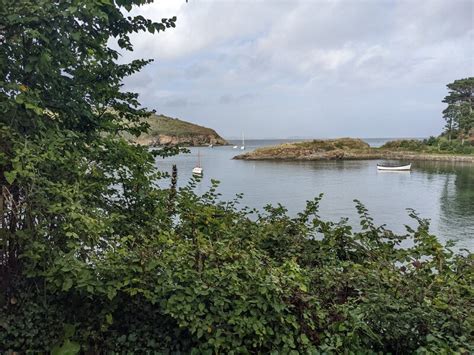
{"points": [[95, 257]]}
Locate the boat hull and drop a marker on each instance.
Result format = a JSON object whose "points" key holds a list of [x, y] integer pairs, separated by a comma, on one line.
{"points": [[394, 168], [197, 171]]}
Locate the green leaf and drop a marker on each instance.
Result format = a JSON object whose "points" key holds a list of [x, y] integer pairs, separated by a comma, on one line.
{"points": [[69, 330], [10, 176], [68, 348], [67, 284], [109, 319]]}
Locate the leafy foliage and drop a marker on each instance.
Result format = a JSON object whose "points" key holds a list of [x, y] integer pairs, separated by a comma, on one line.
{"points": [[459, 114], [220, 279], [95, 257]]}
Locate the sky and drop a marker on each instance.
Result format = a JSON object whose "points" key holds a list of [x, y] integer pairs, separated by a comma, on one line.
{"points": [[305, 68]]}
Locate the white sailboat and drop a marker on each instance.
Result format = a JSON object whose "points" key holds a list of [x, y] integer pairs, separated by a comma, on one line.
{"points": [[198, 170], [243, 142]]}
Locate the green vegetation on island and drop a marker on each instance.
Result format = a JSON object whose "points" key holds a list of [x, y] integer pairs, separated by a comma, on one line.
{"points": [[163, 130], [96, 258], [432, 145]]}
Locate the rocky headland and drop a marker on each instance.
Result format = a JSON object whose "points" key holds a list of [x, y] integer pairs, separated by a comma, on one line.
{"points": [[168, 131]]}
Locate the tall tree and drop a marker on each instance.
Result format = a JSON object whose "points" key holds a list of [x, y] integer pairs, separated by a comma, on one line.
{"points": [[459, 114], [68, 181]]}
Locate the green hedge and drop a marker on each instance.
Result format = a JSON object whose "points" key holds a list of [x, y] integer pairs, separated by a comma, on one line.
{"points": [[220, 280]]}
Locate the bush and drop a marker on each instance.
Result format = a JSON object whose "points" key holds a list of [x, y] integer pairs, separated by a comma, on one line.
{"points": [[431, 145], [411, 144], [220, 280]]}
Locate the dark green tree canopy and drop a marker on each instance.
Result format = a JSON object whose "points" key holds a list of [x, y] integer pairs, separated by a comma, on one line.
{"points": [[57, 67], [63, 164], [459, 114]]}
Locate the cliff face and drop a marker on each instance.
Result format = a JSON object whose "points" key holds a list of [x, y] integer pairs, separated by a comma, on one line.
{"points": [[172, 131], [190, 140]]}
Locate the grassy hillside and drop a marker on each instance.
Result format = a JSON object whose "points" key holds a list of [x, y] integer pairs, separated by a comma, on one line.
{"points": [[171, 131], [160, 124]]}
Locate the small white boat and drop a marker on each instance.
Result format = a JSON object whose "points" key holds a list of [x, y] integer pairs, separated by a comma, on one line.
{"points": [[236, 146], [243, 142], [198, 170], [394, 168]]}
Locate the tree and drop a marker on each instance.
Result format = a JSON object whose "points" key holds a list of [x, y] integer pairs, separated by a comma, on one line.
{"points": [[69, 183], [459, 114]]}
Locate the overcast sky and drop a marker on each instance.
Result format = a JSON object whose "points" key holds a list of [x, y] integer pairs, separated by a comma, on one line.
{"points": [[307, 68]]}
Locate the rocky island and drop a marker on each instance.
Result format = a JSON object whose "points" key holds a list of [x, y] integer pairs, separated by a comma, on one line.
{"points": [[351, 149], [168, 131]]}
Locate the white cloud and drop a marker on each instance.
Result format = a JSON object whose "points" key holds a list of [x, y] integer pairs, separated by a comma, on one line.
{"points": [[294, 53]]}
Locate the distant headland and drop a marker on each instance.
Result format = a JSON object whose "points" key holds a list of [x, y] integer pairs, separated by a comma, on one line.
{"points": [[168, 131]]}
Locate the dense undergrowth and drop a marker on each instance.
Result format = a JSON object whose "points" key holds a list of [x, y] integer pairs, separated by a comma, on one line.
{"points": [[211, 279]]}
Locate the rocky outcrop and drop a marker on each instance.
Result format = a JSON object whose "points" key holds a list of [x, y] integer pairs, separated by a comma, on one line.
{"points": [[192, 140]]}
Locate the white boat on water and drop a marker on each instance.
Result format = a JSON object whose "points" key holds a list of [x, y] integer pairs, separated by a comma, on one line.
{"points": [[236, 146], [198, 170], [394, 168], [243, 142]]}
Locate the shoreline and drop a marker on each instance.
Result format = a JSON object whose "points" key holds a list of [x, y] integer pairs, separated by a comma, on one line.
{"points": [[345, 149], [364, 156]]}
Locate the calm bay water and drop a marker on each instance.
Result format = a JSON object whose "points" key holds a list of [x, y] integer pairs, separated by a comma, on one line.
{"points": [[440, 191]]}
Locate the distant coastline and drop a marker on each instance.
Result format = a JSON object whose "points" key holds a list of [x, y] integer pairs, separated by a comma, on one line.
{"points": [[346, 149]]}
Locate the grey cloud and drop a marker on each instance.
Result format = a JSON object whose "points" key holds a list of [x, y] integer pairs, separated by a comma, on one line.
{"points": [[178, 102], [298, 55], [197, 71], [235, 99]]}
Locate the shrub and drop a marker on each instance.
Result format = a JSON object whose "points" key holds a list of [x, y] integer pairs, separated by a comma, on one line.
{"points": [[220, 280]]}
